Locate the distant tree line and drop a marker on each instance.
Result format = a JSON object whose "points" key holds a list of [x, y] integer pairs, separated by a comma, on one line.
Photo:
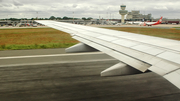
{"points": [[51, 18], [68, 18]]}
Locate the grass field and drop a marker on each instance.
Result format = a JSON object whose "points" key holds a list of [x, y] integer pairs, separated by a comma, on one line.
{"points": [[34, 38], [164, 33], [40, 38]]}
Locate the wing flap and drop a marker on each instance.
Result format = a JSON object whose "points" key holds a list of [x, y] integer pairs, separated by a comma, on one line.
{"points": [[124, 58], [174, 78]]}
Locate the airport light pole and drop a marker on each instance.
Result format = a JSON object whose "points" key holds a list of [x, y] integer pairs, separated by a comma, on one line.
{"points": [[37, 15], [107, 16], [73, 17]]}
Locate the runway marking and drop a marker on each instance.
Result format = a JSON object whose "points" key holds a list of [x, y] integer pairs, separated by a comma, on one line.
{"points": [[57, 62], [50, 55]]}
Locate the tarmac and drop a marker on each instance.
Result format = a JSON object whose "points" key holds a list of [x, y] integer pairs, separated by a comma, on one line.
{"points": [[163, 26], [53, 75]]}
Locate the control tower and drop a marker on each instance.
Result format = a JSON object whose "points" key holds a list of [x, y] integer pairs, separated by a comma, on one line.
{"points": [[122, 12]]}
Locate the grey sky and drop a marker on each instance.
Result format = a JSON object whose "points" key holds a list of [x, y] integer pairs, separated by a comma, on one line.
{"points": [[86, 8]]}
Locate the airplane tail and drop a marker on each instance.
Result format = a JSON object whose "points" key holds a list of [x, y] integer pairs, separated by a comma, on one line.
{"points": [[160, 20]]}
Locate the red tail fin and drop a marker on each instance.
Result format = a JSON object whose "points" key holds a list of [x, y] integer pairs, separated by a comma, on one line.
{"points": [[160, 20]]}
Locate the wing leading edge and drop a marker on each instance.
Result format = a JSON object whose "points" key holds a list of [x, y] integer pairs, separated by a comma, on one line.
{"points": [[142, 52]]}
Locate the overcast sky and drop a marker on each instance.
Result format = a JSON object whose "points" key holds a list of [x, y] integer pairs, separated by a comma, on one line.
{"points": [[86, 8]]}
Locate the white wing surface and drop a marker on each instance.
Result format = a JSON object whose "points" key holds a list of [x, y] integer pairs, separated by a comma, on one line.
{"points": [[142, 52]]}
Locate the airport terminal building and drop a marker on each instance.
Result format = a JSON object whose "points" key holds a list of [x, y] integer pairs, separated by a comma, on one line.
{"points": [[135, 15]]}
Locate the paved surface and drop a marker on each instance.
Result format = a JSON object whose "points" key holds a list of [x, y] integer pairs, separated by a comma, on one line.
{"points": [[8, 53], [162, 26], [78, 79], [47, 56]]}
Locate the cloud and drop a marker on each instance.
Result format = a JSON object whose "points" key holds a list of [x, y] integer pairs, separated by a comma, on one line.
{"points": [[74, 5], [6, 5], [88, 8], [160, 7], [17, 3]]}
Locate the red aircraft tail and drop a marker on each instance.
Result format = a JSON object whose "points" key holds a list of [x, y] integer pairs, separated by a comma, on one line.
{"points": [[160, 20]]}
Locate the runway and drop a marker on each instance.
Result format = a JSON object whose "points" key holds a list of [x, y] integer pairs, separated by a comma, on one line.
{"points": [[52, 75]]}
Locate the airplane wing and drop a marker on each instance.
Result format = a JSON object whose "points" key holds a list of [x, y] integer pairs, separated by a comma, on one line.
{"points": [[141, 52]]}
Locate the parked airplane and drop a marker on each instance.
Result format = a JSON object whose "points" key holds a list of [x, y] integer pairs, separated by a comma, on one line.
{"points": [[143, 23], [151, 23], [135, 22], [137, 53], [27, 24]]}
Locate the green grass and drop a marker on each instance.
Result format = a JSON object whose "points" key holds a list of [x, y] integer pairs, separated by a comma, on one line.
{"points": [[35, 46], [34, 38], [164, 33]]}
